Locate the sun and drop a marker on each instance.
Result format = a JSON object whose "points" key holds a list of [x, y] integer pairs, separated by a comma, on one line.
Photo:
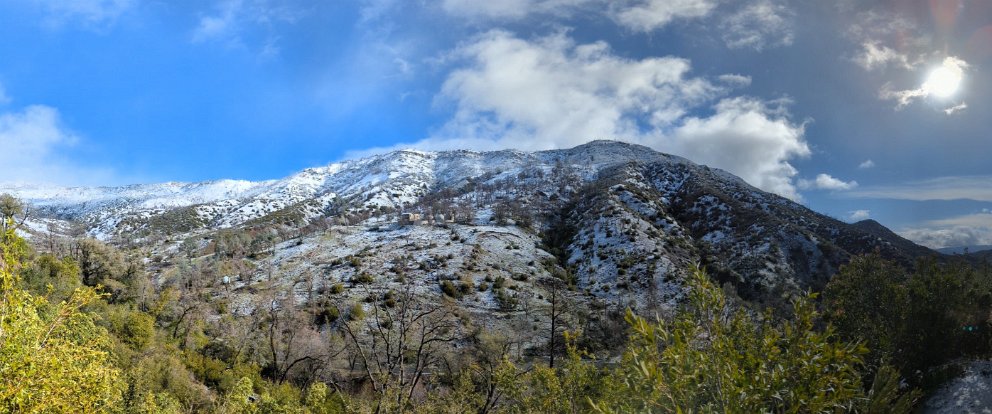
{"points": [[944, 80]]}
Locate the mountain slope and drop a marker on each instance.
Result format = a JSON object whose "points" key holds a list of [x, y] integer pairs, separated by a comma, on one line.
{"points": [[622, 222]]}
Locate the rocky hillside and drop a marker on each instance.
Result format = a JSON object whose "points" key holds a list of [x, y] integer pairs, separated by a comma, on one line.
{"points": [[618, 223]]}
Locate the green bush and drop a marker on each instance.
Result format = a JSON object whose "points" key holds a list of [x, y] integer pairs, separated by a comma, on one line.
{"points": [[915, 321], [362, 278], [505, 300], [327, 314], [712, 358], [357, 312], [134, 328], [450, 289]]}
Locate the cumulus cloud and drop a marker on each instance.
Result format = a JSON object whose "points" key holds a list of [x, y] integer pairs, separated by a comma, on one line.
{"points": [[858, 215], [94, 13], [30, 139], [553, 93], [748, 138], [942, 188], [757, 25], [867, 164], [508, 92], [826, 182], [650, 15], [874, 55], [967, 230]]}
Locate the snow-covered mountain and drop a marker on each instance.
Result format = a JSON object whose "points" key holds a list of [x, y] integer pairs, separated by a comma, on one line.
{"points": [[390, 180], [618, 217]]}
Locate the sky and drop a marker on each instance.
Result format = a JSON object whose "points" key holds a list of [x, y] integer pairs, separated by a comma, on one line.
{"points": [[857, 109]]}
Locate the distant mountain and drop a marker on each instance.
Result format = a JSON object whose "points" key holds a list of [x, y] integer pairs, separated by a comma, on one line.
{"points": [[623, 220], [965, 249]]}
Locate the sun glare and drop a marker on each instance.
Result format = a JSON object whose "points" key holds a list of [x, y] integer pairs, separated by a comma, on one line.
{"points": [[945, 80]]}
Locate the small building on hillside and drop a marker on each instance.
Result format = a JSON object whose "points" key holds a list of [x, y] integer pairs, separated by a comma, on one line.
{"points": [[407, 219], [444, 218]]}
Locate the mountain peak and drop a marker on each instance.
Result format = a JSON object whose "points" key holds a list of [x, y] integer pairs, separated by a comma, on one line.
{"points": [[610, 144]]}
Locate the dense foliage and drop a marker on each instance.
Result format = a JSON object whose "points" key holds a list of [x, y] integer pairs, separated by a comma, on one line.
{"points": [[86, 331], [53, 356], [917, 321]]}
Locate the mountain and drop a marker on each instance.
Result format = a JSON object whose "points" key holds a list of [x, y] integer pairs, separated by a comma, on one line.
{"points": [[621, 223], [965, 249]]}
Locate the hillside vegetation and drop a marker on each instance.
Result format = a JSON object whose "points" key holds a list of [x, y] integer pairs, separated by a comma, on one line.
{"points": [[88, 331]]}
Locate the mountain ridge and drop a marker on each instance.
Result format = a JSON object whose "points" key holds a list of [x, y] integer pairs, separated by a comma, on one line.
{"points": [[618, 217]]}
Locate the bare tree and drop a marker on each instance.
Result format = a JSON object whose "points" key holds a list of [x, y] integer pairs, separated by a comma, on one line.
{"points": [[293, 341], [557, 311], [400, 342]]}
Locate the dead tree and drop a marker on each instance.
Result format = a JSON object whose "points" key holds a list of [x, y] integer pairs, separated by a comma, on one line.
{"points": [[401, 341], [557, 310]]}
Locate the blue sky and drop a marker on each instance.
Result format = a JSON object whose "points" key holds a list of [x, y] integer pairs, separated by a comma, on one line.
{"points": [[857, 109]]}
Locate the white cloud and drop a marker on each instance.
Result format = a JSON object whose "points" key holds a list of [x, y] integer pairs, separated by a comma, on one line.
{"points": [[757, 25], [902, 97], [30, 133], [967, 230], [373, 10], [553, 93], [858, 215], [888, 39], [30, 139], [650, 15], [941, 82], [747, 138], [211, 27], [867, 164], [880, 23], [956, 108], [977, 188], [637, 15], [826, 182], [874, 55], [231, 20], [736, 80], [510, 9], [94, 13]]}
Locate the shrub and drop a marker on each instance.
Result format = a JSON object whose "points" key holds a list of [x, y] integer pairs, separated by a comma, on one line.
{"points": [[362, 278], [743, 365], [450, 289], [327, 314], [506, 301], [357, 312]]}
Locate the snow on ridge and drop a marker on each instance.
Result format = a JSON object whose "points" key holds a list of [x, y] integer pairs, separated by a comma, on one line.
{"points": [[392, 179]]}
